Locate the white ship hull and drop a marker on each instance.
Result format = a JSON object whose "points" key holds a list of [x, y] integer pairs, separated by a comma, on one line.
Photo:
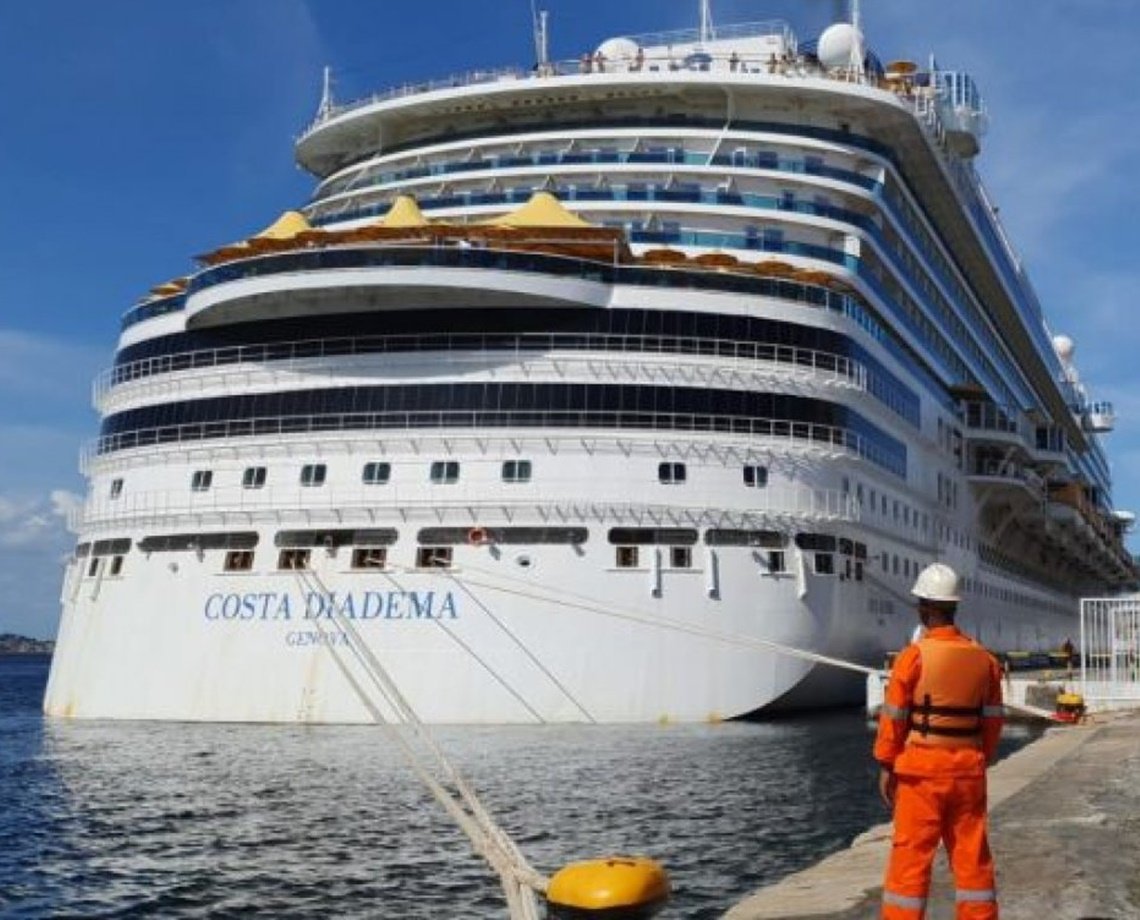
{"points": [[571, 642]]}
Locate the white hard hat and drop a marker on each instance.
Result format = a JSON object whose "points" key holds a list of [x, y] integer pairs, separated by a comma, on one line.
{"points": [[937, 582]]}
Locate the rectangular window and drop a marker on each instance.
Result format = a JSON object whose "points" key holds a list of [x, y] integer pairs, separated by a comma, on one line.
{"points": [[376, 473], [756, 477], [253, 477], [370, 557], [116, 488], [238, 560], [824, 564], [93, 568], [445, 472], [777, 561], [433, 557], [293, 559], [313, 475], [671, 473], [626, 557], [516, 471], [680, 557], [201, 480], [116, 566]]}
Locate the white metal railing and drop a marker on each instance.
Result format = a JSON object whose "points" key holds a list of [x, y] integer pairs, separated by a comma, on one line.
{"points": [[228, 505], [585, 422], [657, 56], [300, 353], [727, 364], [1110, 652]]}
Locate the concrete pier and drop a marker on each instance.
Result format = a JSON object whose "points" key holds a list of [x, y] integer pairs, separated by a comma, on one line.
{"points": [[1065, 831]]}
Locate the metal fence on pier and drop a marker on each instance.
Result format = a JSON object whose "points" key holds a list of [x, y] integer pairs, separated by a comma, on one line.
{"points": [[1110, 652]]}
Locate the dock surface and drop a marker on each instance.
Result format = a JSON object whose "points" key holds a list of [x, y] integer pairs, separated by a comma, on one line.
{"points": [[1064, 828]]}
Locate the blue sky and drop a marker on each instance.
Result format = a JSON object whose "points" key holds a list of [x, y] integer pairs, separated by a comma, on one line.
{"points": [[137, 133]]}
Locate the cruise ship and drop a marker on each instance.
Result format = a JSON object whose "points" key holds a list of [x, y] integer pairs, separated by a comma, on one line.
{"points": [[626, 388]]}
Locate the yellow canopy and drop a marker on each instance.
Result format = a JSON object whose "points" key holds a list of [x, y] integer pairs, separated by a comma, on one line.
{"points": [[287, 226], [543, 210], [404, 213], [278, 235], [174, 286]]}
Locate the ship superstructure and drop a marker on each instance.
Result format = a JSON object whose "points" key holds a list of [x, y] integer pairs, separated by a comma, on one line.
{"points": [[573, 386]]}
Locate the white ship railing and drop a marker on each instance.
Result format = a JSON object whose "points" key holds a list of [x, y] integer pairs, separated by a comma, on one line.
{"points": [[657, 54], [491, 422], [773, 506], [284, 357]]}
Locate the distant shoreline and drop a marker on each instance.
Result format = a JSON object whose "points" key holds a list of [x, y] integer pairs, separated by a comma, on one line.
{"points": [[11, 644]]}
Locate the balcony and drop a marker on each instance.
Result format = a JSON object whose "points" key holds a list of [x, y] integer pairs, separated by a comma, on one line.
{"points": [[985, 422]]}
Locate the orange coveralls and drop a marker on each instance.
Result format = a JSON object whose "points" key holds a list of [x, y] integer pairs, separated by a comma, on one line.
{"points": [[938, 729]]}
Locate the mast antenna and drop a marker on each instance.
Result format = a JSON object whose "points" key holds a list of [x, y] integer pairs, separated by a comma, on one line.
{"points": [[708, 33], [326, 106], [858, 52], [541, 19]]}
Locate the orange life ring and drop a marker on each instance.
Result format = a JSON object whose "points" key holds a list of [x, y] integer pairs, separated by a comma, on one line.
{"points": [[477, 536]]}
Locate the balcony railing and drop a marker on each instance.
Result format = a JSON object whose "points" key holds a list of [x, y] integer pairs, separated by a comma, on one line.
{"points": [[669, 156], [284, 356], [766, 504], [829, 436]]}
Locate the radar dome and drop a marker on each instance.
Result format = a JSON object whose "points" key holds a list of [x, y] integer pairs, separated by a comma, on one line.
{"points": [[1064, 347], [839, 44], [619, 49]]}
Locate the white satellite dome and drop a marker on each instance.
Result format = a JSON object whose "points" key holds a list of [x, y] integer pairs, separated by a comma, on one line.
{"points": [[1064, 347], [838, 44], [619, 49]]}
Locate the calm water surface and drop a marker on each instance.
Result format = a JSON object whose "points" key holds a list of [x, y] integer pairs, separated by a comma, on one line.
{"points": [[111, 819]]}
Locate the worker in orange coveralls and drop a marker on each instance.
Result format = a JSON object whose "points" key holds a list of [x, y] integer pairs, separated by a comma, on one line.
{"points": [[938, 731]]}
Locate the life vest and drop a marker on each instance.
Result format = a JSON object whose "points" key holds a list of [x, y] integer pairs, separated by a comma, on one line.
{"points": [[948, 703]]}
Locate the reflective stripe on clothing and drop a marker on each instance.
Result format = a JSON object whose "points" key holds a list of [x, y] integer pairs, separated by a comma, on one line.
{"points": [[965, 894], [895, 713], [908, 905]]}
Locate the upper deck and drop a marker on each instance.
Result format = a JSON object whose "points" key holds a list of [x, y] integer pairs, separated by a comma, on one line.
{"points": [[744, 69]]}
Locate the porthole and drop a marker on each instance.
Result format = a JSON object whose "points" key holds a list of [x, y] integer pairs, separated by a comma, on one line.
{"points": [[524, 561]]}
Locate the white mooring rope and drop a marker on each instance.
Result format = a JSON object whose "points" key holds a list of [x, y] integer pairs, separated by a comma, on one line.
{"points": [[519, 879]]}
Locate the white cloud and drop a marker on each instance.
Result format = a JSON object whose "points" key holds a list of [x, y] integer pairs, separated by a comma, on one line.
{"points": [[35, 523], [33, 541]]}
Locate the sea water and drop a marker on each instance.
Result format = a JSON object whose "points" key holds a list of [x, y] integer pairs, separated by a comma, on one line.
{"points": [[145, 819]]}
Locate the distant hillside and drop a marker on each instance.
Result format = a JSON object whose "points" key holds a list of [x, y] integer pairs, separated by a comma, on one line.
{"points": [[11, 644]]}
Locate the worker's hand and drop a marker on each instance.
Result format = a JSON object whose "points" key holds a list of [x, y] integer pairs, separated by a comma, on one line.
{"points": [[887, 784]]}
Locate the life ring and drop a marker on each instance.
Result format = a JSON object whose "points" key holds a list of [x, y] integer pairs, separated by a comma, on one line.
{"points": [[477, 536]]}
